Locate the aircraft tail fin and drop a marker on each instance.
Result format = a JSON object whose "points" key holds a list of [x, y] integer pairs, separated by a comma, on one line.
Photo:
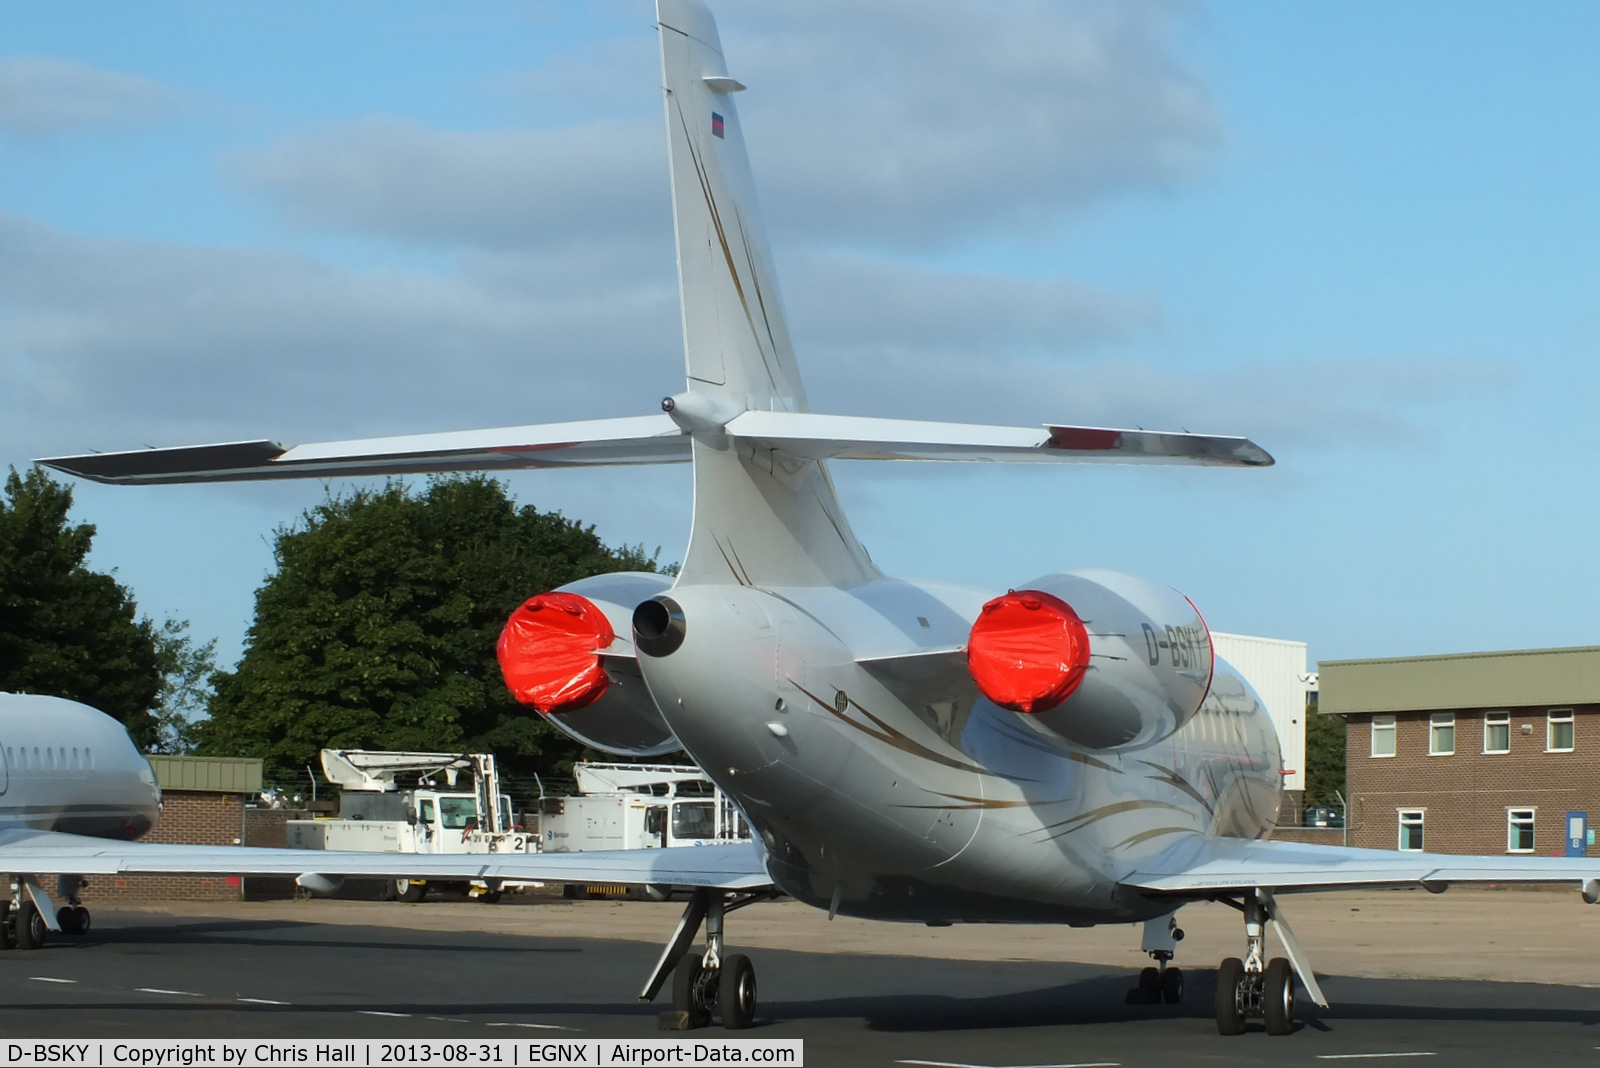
{"points": [[736, 341]]}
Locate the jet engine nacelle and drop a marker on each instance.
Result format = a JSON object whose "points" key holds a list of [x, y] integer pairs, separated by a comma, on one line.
{"points": [[1099, 658], [553, 656]]}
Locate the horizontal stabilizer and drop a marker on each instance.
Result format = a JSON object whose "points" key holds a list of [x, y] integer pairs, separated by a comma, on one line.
{"points": [[1200, 865], [656, 439], [846, 437], [648, 439]]}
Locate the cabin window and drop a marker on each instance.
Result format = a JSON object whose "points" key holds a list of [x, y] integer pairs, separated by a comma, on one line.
{"points": [[75, 764], [88, 757], [1442, 734], [1519, 830], [1497, 732], [1558, 731], [1411, 830], [36, 761], [1383, 736]]}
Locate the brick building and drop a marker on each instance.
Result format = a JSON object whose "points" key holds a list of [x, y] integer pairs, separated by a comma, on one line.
{"points": [[203, 802], [1473, 753]]}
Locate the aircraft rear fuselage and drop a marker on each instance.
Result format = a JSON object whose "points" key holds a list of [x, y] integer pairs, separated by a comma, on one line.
{"points": [[883, 786]]}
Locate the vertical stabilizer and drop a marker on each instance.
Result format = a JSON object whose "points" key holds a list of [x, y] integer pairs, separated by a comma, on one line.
{"points": [[735, 338], [761, 517]]}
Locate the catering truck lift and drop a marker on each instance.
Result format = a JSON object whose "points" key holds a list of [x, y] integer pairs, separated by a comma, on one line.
{"points": [[378, 814], [637, 806]]}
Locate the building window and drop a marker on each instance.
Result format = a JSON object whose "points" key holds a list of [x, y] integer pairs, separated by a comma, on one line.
{"points": [[1383, 736], [1410, 830], [1497, 732], [1441, 734], [1558, 731], [1519, 830]]}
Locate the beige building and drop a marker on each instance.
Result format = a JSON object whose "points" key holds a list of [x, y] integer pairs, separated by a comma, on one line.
{"points": [[1471, 753]]}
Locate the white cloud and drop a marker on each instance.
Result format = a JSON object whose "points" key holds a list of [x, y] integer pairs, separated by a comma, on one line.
{"points": [[489, 189], [903, 125], [40, 95], [106, 344], [911, 124]]}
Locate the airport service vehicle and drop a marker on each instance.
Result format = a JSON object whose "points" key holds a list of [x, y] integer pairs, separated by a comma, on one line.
{"points": [[378, 814], [1063, 749], [639, 806]]}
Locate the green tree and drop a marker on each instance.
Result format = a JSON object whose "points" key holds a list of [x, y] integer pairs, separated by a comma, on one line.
{"points": [[186, 671], [377, 628], [65, 630], [1324, 756]]}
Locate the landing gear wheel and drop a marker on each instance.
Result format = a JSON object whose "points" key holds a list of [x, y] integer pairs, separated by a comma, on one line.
{"points": [[67, 919], [8, 937], [1277, 996], [491, 897], [1150, 986], [409, 890], [84, 922], [1172, 985], [686, 986], [736, 992], [30, 927], [1230, 982]]}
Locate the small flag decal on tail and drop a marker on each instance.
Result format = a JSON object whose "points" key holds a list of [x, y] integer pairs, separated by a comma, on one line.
{"points": [[716, 125]]}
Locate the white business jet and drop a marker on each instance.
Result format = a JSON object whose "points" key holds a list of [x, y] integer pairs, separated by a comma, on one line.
{"points": [[1071, 751]]}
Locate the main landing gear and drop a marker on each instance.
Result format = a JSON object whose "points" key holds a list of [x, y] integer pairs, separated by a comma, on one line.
{"points": [[706, 982], [27, 915], [1253, 989]]}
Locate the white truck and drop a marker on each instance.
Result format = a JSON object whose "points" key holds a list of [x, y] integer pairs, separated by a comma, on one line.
{"points": [[379, 815], [639, 806]]}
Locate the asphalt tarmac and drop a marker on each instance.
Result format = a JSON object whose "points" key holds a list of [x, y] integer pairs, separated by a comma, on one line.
{"points": [[149, 975]]}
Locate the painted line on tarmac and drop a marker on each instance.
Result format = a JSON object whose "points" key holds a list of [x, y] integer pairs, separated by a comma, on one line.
{"points": [[956, 1064], [376, 1012], [445, 1019], [535, 1026], [174, 993], [49, 979], [261, 1001], [1375, 1056]]}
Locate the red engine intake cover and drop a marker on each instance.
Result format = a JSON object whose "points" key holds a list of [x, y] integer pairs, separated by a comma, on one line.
{"points": [[1028, 651], [547, 652]]}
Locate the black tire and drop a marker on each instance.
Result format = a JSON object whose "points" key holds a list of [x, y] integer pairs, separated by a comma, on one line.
{"points": [[409, 890], [1230, 977], [1277, 997], [491, 897], [8, 937], [1150, 986], [30, 927], [736, 992], [685, 977], [84, 922], [67, 920], [1172, 985]]}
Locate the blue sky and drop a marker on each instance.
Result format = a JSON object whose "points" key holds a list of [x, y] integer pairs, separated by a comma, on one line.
{"points": [[1365, 237]]}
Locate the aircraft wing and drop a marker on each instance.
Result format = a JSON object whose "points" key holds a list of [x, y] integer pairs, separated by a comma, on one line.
{"points": [[729, 867], [646, 439], [1200, 865], [848, 437]]}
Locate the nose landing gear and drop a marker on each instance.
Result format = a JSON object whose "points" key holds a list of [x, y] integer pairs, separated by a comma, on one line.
{"points": [[1162, 983], [708, 982]]}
